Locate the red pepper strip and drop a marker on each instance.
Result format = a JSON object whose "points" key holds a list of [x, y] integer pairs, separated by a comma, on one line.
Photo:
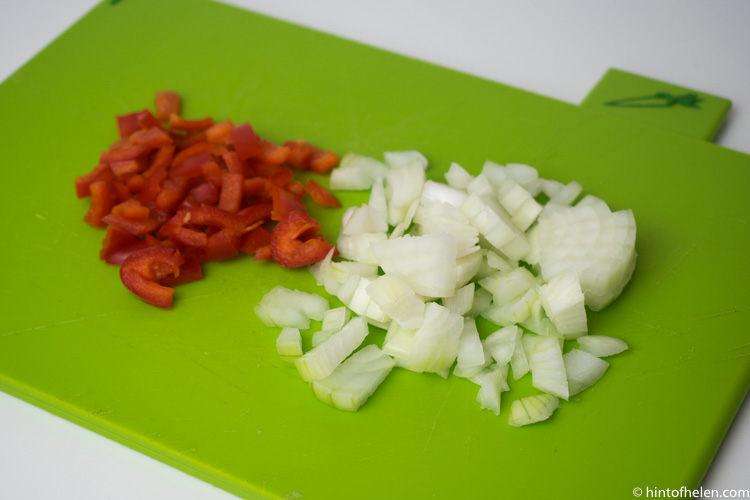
{"points": [[136, 227], [185, 141], [101, 172], [323, 161], [127, 124], [147, 119], [135, 183], [234, 164], [102, 199], [280, 178], [123, 152], [246, 142], [254, 186], [118, 256], [231, 192], [173, 191], [121, 190], [253, 240], [131, 209], [114, 241], [297, 189], [273, 154], [284, 203], [178, 123], [257, 169], [263, 253], [212, 173], [292, 241], [167, 102], [191, 167], [120, 168], [200, 216], [220, 133], [301, 153], [153, 184], [152, 138], [195, 149], [161, 158], [142, 269], [207, 193], [222, 245], [189, 271], [321, 195], [249, 215]]}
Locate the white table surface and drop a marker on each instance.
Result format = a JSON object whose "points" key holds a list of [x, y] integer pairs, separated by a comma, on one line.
{"points": [[554, 48]]}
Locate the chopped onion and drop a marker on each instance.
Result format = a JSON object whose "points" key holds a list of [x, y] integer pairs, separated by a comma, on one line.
{"points": [[436, 341], [396, 159], [583, 370], [457, 177], [492, 384], [562, 300], [602, 346], [363, 219], [471, 356], [501, 344], [354, 380], [461, 301], [356, 172], [293, 308], [532, 409], [546, 363], [403, 186], [397, 300], [320, 361]]}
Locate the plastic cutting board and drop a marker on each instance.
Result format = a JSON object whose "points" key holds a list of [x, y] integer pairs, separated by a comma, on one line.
{"points": [[200, 386]]}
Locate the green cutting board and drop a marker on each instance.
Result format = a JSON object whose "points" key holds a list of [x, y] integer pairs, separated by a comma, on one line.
{"points": [[200, 386]]}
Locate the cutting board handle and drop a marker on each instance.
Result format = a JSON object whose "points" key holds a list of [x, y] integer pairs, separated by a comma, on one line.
{"points": [[659, 104]]}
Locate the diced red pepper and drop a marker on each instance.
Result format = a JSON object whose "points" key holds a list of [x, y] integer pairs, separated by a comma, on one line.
{"points": [[254, 239], [280, 178], [231, 192], [273, 154], [153, 184], [233, 162], [102, 199], [206, 193], [135, 183], [263, 253], [246, 142], [322, 161], [254, 186], [300, 153], [136, 227], [123, 152], [151, 138], [294, 242], [147, 119], [173, 191], [297, 189], [191, 167], [284, 203], [161, 158], [141, 271], [249, 215], [178, 123], [101, 172], [220, 133], [131, 209], [167, 102], [114, 241], [127, 124], [321, 195], [195, 149], [189, 271]]}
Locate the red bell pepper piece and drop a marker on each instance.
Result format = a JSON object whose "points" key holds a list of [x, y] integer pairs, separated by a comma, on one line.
{"points": [[263, 253], [321, 195], [190, 270], [193, 150], [167, 102], [322, 161], [300, 153], [151, 138], [101, 172], [102, 199], [272, 154], [147, 119], [206, 193], [127, 124], [220, 133], [153, 184], [141, 271], [254, 239], [254, 187], [131, 209], [246, 142], [284, 203], [231, 192], [294, 242], [114, 241], [178, 123]]}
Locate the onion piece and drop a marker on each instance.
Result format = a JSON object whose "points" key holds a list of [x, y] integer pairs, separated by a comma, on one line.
{"points": [[354, 380], [563, 302], [583, 370], [601, 345], [403, 186], [320, 361], [492, 384], [436, 341], [532, 409], [471, 358], [546, 363], [397, 300], [501, 344], [356, 172], [292, 308], [457, 177], [396, 159]]}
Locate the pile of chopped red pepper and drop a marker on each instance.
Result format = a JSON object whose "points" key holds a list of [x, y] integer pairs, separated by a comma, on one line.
{"points": [[175, 193]]}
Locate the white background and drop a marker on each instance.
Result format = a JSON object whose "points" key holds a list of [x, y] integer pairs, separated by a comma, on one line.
{"points": [[555, 48]]}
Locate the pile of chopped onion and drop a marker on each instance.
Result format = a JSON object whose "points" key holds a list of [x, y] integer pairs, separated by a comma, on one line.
{"points": [[423, 259]]}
